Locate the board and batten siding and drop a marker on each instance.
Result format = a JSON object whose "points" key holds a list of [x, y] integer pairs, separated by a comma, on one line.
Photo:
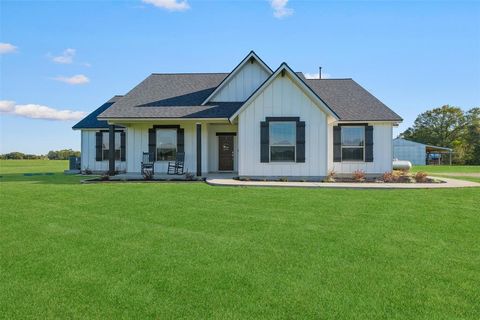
{"points": [[88, 144], [382, 152], [137, 144], [242, 84], [282, 98]]}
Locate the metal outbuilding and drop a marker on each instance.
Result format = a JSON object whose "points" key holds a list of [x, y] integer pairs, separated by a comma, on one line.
{"points": [[419, 153]]}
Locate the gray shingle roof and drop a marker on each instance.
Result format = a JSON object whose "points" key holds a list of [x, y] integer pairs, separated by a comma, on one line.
{"points": [[91, 121], [171, 96], [181, 95], [350, 101]]}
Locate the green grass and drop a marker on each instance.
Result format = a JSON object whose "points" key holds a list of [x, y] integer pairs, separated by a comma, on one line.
{"points": [[189, 250], [469, 173], [448, 169]]}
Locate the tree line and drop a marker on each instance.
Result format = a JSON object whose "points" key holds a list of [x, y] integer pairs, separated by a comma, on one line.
{"points": [[51, 155], [451, 127]]}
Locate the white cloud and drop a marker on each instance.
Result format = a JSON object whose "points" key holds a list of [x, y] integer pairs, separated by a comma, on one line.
{"points": [[315, 75], [74, 80], [66, 57], [7, 106], [171, 5], [7, 48], [36, 111], [280, 9]]}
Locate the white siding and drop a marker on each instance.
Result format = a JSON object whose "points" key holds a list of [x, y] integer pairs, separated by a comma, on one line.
{"points": [[409, 150], [137, 144], [88, 152], [243, 83], [213, 145], [282, 98], [382, 152]]}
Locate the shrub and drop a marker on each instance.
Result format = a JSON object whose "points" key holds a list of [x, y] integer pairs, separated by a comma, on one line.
{"points": [[87, 171], [283, 179], [189, 176], [104, 177], [331, 176], [389, 177], [359, 175], [421, 176]]}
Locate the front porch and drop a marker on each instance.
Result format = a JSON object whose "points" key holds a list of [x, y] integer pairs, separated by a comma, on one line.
{"points": [[209, 148]]}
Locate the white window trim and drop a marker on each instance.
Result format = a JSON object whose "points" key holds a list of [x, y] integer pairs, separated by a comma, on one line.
{"points": [[157, 146], [353, 147], [282, 145]]}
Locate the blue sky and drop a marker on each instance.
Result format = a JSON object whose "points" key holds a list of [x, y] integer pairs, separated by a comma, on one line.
{"points": [[412, 55]]}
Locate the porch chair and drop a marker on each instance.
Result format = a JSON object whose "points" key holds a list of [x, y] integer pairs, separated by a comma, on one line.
{"points": [[147, 164], [177, 166]]}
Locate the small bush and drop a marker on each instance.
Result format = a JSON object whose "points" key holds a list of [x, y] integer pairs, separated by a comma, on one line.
{"points": [[87, 171], [359, 175], [148, 175], [389, 177], [189, 176], [283, 179], [104, 177], [331, 176], [421, 176]]}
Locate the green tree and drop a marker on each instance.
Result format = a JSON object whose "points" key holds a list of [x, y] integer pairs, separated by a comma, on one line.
{"points": [[441, 127], [62, 154], [472, 136]]}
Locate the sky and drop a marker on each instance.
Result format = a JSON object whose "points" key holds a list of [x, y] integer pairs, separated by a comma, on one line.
{"points": [[60, 60]]}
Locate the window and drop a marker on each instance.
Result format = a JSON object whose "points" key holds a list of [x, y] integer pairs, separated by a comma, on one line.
{"points": [[353, 143], [282, 141], [166, 144], [106, 145]]}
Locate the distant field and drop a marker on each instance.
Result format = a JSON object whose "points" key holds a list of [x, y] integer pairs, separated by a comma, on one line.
{"points": [[193, 251], [448, 169], [32, 166]]}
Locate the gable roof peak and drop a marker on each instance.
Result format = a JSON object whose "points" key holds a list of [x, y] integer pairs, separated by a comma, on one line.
{"points": [[251, 55]]}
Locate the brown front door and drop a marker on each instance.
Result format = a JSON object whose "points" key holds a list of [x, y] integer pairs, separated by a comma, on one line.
{"points": [[225, 153]]}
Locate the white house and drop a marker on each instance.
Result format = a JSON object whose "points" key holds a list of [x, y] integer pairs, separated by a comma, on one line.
{"points": [[253, 121]]}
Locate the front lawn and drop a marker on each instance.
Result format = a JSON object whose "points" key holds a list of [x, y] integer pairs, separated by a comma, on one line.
{"points": [[470, 173], [447, 169], [189, 250]]}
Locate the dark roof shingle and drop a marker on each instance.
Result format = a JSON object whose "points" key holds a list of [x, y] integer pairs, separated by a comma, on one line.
{"points": [[350, 101], [181, 96], [91, 121], [170, 96]]}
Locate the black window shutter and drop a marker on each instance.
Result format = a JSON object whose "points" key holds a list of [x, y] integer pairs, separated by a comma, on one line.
{"points": [[300, 141], [180, 140], [152, 144], [264, 142], [337, 144], [123, 149], [368, 143], [98, 146]]}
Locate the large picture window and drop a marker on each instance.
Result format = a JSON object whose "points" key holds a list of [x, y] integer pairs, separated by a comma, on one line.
{"points": [[166, 144], [106, 145], [353, 143], [282, 138]]}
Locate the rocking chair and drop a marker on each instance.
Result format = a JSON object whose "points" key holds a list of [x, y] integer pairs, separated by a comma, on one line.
{"points": [[177, 166], [147, 164]]}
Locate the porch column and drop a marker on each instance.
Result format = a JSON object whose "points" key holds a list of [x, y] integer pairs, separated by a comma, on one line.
{"points": [[199, 149], [111, 150]]}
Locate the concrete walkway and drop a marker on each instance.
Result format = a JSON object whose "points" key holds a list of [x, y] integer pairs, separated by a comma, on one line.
{"points": [[448, 183]]}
